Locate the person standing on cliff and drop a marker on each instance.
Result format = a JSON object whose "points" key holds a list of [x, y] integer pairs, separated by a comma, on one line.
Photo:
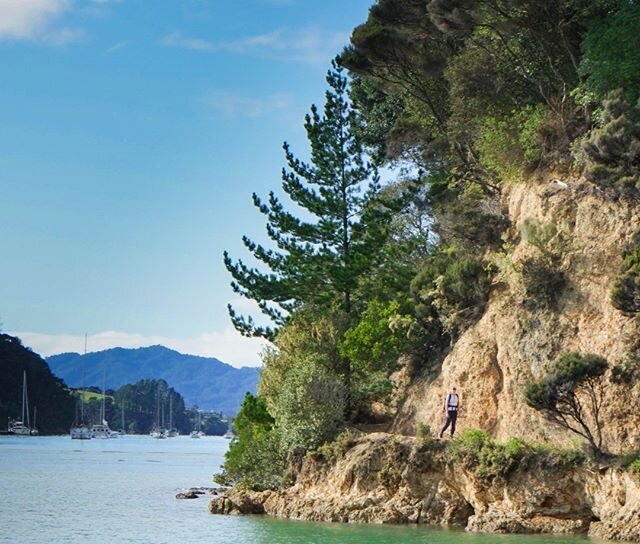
{"points": [[451, 407]]}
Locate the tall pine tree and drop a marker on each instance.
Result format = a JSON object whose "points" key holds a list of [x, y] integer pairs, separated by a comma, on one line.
{"points": [[317, 261]]}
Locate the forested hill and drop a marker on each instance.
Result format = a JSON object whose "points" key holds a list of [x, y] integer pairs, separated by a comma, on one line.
{"points": [[207, 382], [46, 392]]}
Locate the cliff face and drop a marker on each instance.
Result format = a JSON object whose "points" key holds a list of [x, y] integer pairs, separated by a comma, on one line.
{"points": [[389, 479], [511, 344]]}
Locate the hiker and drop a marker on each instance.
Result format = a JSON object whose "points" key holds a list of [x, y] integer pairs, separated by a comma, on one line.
{"points": [[451, 407]]}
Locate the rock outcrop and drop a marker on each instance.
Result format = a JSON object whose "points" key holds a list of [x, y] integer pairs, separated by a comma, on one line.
{"points": [[390, 479], [513, 344]]}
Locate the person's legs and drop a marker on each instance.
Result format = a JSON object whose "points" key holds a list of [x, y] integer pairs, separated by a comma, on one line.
{"points": [[453, 416], [446, 425]]}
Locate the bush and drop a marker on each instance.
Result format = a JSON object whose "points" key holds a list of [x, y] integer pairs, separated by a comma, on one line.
{"points": [[384, 332], [450, 292], [625, 293], [254, 459], [543, 278], [612, 151], [511, 145], [311, 406], [487, 458], [635, 466]]}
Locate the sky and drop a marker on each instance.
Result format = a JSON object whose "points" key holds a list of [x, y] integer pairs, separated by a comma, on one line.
{"points": [[132, 135]]}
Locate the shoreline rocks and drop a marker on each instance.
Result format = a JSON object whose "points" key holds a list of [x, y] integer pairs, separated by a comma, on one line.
{"points": [[389, 479]]}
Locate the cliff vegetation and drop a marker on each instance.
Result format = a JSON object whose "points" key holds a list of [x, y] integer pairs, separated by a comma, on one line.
{"points": [[501, 259]]}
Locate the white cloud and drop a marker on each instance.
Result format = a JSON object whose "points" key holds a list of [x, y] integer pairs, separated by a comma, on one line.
{"points": [[308, 45], [227, 345], [232, 105], [29, 19]]}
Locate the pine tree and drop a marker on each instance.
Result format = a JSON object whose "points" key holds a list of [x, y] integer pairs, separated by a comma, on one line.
{"points": [[317, 261]]}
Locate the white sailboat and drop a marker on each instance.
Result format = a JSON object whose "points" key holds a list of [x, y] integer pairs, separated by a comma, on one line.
{"points": [[197, 433], [158, 430], [17, 426], [80, 430], [102, 430], [171, 432]]}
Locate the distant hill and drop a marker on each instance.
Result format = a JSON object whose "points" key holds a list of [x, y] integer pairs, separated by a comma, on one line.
{"points": [[207, 382], [46, 392]]}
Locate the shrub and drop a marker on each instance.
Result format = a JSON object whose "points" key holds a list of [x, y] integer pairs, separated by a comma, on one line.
{"points": [[635, 466], [384, 332], [487, 458], [450, 292], [423, 435], [625, 293], [612, 151], [508, 146], [311, 406], [254, 459], [543, 278]]}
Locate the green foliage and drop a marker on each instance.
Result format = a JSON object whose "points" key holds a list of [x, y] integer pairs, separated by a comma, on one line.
{"points": [[508, 146], [611, 53], [627, 369], [625, 292], [341, 444], [424, 436], [317, 262], [635, 466], [572, 394], [45, 392], [450, 292], [254, 459], [310, 408], [384, 332], [542, 275], [488, 459], [612, 151], [143, 404]]}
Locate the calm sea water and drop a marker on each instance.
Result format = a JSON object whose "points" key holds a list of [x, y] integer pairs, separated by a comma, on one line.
{"points": [[56, 490]]}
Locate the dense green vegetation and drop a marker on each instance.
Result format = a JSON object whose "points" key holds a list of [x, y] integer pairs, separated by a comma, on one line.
{"points": [[147, 404], [46, 392], [490, 459], [461, 98]]}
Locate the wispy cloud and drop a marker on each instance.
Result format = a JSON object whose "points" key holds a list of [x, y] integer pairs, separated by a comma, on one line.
{"points": [[117, 46], [309, 45], [232, 105], [227, 345]]}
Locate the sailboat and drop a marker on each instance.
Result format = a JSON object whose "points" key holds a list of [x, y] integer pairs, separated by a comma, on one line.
{"points": [[17, 426], [172, 432], [158, 430], [102, 430], [80, 430], [197, 433]]}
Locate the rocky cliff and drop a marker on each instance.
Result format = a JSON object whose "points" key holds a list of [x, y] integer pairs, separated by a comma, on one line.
{"points": [[386, 478], [512, 344], [389, 478]]}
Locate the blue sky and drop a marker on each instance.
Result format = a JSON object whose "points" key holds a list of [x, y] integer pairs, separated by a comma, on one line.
{"points": [[132, 135]]}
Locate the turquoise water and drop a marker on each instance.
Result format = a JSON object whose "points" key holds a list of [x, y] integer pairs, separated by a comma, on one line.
{"points": [[57, 490]]}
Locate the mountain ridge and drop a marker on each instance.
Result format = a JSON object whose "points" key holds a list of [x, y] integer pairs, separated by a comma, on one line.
{"points": [[205, 381]]}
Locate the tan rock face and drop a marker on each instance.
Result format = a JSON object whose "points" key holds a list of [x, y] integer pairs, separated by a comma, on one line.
{"points": [[389, 479], [494, 360]]}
